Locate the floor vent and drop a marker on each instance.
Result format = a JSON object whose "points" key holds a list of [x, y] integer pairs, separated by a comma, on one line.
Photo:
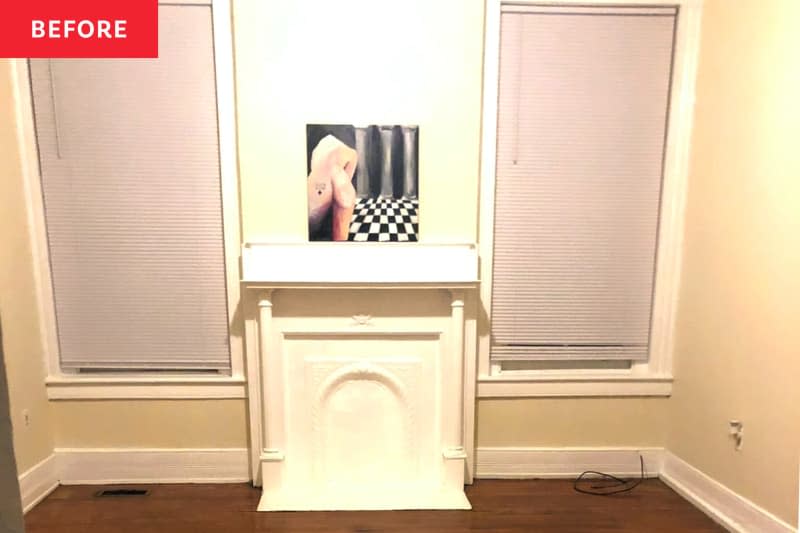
{"points": [[121, 492]]}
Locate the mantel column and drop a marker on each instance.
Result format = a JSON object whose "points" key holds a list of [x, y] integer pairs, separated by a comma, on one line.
{"points": [[264, 332], [454, 453], [272, 437]]}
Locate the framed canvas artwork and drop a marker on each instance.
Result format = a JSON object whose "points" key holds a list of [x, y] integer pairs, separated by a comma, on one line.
{"points": [[363, 183]]}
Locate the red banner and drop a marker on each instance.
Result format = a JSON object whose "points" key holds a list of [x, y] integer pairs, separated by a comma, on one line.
{"points": [[79, 28]]}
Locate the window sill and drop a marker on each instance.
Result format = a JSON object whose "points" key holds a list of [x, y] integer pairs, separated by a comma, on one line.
{"points": [[143, 387], [521, 386]]}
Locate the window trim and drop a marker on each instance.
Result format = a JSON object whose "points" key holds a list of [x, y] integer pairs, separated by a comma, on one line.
{"points": [[63, 385], [651, 378]]}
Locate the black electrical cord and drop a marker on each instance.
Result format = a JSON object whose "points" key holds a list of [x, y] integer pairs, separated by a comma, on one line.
{"points": [[609, 485]]}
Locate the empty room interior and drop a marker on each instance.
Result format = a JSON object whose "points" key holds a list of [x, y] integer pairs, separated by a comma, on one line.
{"points": [[418, 265]]}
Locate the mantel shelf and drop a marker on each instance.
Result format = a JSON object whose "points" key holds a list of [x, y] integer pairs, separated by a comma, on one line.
{"points": [[359, 266]]}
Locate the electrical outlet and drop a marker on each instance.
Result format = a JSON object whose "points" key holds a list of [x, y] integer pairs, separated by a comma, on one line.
{"points": [[26, 417], [736, 430]]}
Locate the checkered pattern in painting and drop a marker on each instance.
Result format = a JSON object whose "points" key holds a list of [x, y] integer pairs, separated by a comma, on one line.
{"points": [[384, 220]]}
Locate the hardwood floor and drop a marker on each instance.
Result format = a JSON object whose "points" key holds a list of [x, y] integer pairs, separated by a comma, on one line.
{"points": [[499, 507]]}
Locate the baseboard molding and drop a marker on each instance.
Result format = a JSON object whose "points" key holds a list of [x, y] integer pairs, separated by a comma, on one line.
{"points": [[729, 509], [726, 507], [37, 482], [106, 466], [541, 463]]}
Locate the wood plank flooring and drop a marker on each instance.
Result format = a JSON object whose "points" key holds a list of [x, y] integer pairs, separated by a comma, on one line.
{"points": [[499, 506]]}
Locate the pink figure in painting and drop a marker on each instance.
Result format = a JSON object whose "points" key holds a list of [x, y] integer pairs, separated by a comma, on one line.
{"points": [[330, 186]]}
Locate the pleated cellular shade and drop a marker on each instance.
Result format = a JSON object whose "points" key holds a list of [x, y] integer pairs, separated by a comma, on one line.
{"points": [[131, 182], [582, 114]]}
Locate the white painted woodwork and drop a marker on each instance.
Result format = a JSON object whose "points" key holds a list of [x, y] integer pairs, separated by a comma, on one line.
{"points": [[363, 264], [566, 462], [360, 371], [728, 508], [117, 466], [36, 483]]}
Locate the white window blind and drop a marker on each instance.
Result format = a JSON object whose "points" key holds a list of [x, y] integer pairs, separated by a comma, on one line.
{"points": [[582, 113], [131, 182]]}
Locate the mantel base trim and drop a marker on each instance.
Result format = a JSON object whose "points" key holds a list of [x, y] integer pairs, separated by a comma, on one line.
{"points": [[372, 501]]}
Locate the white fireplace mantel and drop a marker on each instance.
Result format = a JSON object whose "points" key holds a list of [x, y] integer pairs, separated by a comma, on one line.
{"points": [[372, 265], [350, 411]]}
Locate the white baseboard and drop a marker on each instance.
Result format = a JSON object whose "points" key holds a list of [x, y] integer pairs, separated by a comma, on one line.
{"points": [[106, 466], [540, 463], [726, 507], [37, 482]]}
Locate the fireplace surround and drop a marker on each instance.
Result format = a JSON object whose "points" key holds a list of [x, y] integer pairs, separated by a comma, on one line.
{"points": [[356, 370]]}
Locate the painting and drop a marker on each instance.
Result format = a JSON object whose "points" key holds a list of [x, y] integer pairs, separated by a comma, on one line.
{"points": [[363, 182]]}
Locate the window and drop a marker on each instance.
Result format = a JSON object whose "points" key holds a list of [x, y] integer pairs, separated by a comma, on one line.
{"points": [[578, 191], [137, 177]]}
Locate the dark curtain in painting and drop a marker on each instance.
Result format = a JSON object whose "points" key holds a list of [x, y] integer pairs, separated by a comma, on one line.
{"points": [[388, 159]]}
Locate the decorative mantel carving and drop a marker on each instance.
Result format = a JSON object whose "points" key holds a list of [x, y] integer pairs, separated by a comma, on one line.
{"points": [[362, 320]]}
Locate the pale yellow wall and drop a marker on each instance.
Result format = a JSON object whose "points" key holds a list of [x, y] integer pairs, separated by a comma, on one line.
{"points": [[738, 337], [150, 423], [415, 62], [358, 61], [557, 422], [18, 310]]}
